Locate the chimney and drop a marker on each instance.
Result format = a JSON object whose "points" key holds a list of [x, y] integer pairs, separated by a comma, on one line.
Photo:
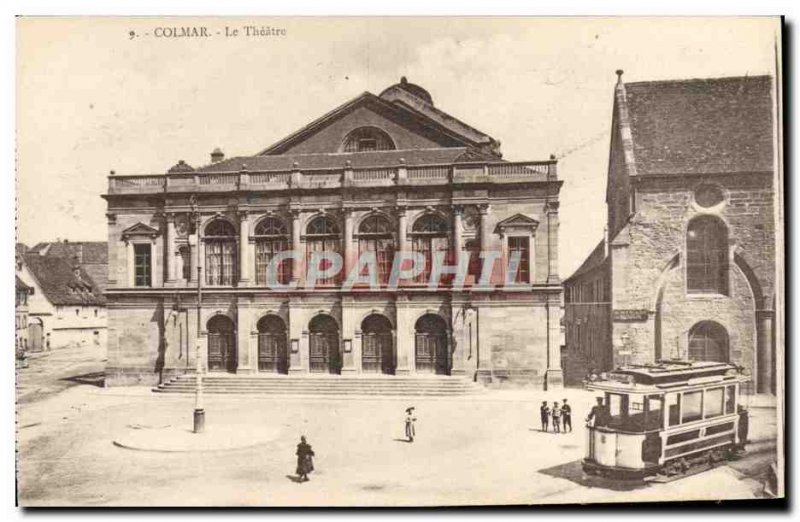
{"points": [[217, 155]]}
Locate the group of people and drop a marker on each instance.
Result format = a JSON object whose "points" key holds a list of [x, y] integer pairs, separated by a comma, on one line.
{"points": [[560, 417]]}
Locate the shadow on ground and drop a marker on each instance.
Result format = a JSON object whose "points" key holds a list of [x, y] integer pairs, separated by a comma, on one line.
{"points": [[93, 379], [573, 472]]}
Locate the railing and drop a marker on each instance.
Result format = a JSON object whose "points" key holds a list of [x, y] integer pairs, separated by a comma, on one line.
{"points": [[435, 172], [377, 174], [334, 178]]}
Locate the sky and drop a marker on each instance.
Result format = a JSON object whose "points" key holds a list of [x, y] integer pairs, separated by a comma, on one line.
{"points": [[91, 99]]}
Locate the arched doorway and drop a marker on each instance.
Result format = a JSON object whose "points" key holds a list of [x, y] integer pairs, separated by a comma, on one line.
{"points": [[431, 352], [377, 345], [273, 355], [221, 344], [708, 341], [324, 357], [35, 335]]}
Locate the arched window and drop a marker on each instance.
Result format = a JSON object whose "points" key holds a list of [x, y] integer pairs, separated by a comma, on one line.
{"points": [[707, 256], [323, 235], [221, 261], [430, 235], [375, 235], [367, 139], [708, 341], [271, 237]]}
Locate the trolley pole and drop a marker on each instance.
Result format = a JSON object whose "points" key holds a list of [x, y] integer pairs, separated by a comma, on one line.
{"points": [[199, 412]]}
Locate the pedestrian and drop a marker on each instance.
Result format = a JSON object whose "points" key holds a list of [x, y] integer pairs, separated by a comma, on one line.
{"points": [[544, 411], [305, 464], [566, 415], [597, 416], [556, 418], [410, 420]]}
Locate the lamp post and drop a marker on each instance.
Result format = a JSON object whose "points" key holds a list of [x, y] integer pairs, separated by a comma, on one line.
{"points": [[199, 412], [469, 306]]}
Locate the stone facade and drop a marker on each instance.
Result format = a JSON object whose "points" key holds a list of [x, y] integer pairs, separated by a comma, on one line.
{"points": [[500, 334], [650, 311]]}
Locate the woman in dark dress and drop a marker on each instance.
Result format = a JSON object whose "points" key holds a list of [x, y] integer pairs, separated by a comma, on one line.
{"points": [[305, 464]]}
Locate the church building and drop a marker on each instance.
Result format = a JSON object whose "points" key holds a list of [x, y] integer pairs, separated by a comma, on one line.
{"points": [[237, 261], [687, 268]]}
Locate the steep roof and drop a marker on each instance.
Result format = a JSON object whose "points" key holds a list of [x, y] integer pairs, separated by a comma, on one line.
{"points": [[59, 283], [596, 258], [701, 126], [91, 255], [357, 159]]}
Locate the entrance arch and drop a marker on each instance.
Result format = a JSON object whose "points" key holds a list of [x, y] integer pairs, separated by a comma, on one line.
{"points": [[273, 355], [708, 341], [221, 344], [377, 345], [35, 335], [324, 356], [431, 351]]}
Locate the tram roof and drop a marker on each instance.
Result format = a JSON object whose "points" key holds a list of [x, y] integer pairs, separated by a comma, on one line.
{"points": [[665, 375]]}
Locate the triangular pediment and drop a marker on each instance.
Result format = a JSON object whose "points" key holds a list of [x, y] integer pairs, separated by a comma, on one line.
{"points": [[409, 129], [140, 229], [518, 221]]}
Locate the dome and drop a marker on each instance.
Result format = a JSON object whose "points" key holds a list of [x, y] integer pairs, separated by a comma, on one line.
{"points": [[412, 89], [180, 168]]}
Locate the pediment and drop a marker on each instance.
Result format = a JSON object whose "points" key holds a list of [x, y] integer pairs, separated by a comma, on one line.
{"points": [[518, 221], [140, 230], [408, 129]]}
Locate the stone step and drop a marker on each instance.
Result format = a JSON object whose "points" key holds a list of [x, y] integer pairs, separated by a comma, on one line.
{"points": [[324, 385]]}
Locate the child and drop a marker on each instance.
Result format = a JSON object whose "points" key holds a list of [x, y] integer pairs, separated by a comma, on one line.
{"points": [[544, 411]]}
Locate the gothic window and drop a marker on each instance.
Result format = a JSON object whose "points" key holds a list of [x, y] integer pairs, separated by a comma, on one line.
{"points": [[272, 238], [708, 341], [707, 256], [142, 264], [323, 235], [367, 139], [430, 235], [375, 235], [221, 262]]}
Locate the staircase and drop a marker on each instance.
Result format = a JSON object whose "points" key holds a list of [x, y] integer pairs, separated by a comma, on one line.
{"points": [[325, 385]]}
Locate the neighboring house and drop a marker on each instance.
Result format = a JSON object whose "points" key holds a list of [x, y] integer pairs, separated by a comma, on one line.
{"points": [[91, 255], [687, 269], [66, 307], [21, 315], [378, 174]]}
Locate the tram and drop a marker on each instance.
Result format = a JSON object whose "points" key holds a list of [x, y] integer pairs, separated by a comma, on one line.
{"points": [[666, 420]]}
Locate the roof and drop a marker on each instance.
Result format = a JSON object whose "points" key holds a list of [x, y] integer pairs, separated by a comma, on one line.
{"points": [[701, 126], [60, 284], [357, 159], [407, 100], [91, 255], [596, 258]]}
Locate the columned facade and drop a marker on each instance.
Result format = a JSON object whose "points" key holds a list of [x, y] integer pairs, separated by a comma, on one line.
{"points": [[395, 190]]}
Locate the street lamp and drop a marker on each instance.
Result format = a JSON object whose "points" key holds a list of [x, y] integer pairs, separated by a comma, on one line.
{"points": [[469, 306], [199, 412]]}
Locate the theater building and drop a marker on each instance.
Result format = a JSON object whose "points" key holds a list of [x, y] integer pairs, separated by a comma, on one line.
{"points": [[687, 268], [385, 175]]}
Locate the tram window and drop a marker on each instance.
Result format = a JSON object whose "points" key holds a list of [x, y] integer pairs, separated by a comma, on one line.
{"points": [[674, 409], [617, 408], [713, 402], [730, 399], [655, 412], [692, 406]]}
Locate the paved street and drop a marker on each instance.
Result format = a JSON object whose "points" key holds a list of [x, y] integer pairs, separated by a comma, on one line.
{"points": [[468, 451]]}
